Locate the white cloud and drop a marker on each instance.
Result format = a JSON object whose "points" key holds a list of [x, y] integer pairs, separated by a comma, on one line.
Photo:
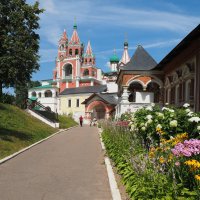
{"points": [[60, 14], [157, 44], [47, 55]]}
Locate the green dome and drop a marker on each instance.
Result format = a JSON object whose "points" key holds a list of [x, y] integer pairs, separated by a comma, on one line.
{"points": [[125, 43], [114, 58]]}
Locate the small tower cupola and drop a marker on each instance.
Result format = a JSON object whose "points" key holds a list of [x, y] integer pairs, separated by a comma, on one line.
{"points": [[62, 46], [89, 57], [63, 41], [125, 56], [75, 48], [114, 60]]}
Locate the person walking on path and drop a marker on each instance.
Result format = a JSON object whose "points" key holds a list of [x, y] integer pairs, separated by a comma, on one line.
{"points": [[81, 120]]}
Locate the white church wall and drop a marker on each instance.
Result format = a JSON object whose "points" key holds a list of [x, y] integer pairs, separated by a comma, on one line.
{"points": [[112, 87], [99, 74], [144, 97]]}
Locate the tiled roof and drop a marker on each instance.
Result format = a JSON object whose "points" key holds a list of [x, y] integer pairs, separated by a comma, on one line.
{"points": [[141, 60], [108, 98], [88, 89]]}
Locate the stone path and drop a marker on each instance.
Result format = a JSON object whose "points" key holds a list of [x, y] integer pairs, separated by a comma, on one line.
{"points": [[69, 166]]}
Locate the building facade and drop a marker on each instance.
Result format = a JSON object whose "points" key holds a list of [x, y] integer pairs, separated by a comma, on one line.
{"points": [[182, 72], [79, 88]]}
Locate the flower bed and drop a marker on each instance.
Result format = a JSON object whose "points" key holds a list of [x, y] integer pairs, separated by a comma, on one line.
{"points": [[158, 157]]}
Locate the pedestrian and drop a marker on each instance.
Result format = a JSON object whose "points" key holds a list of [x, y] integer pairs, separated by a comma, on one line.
{"points": [[94, 121], [91, 122], [81, 120]]}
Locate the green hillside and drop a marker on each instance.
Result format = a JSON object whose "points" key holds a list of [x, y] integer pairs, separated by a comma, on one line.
{"points": [[19, 129]]}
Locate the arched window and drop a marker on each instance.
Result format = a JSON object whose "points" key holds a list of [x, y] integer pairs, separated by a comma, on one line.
{"points": [[70, 52], [90, 60], [133, 88], [155, 88], [76, 51], [48, 93], [67, 70], [62, 46], [86, 72], [177, 95], [85, 61], [33, 94], [39, 94]]}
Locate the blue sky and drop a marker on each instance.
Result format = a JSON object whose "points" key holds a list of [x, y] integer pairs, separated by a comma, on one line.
{"points": [[157, 25]]}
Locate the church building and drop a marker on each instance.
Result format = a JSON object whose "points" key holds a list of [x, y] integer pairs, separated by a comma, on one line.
{"points": [[79, 88]]}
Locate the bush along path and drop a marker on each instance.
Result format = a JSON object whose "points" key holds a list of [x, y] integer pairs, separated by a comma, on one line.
{"points": [[158, 153]]}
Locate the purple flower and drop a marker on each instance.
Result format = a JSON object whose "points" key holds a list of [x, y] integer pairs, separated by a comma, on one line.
{"points": [[187, 148]]}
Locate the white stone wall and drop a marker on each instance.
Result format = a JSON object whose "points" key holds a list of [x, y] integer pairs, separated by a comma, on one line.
{"points": [[144, 97], [51, 102], [112, 87], [99, 74]]}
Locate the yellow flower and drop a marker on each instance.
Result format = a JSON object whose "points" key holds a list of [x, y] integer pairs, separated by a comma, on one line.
{"points": [[193, 164], [170, 158], [151, 154], [159, 131], [197, 177], [161, 160]]}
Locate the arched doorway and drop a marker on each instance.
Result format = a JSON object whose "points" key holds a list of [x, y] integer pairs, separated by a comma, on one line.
{"points": [[98, 112]]}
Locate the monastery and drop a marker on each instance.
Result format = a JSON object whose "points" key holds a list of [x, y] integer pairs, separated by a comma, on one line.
{"points": [[78, 87]]}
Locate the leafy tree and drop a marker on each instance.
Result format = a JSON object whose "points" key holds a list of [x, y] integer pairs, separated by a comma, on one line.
{"points": [[21, 91], [19, 43]]}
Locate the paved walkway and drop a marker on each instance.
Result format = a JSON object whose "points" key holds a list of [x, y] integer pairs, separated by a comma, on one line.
{"points": [[69, 166]]}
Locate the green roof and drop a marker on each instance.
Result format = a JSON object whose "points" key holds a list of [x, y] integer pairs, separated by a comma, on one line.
{"points": [[114, 58], [43, 86], [33, 98]]}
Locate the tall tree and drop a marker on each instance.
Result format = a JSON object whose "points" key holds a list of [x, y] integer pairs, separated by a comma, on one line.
{"points": [[19, 42], [21, 92]]}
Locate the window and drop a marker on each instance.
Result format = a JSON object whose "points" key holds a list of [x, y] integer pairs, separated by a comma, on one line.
{"points": [[90, 60], [86, 61], [62, 46], [77, 103], [33, 94], [48, 93], [67, 70], [86, 72], [76, 51], [69, 103], [177, 95], [70, 52], [39, 95]]}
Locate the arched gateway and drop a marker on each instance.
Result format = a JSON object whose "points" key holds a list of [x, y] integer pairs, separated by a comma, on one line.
{"points": [[100, 106]]}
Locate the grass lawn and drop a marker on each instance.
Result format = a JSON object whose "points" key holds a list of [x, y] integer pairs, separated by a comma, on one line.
{"points": [[66, 122], [19, 129]]}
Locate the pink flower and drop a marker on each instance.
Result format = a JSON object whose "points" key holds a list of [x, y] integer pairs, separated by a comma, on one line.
{"points": [[177, 163], [187, 148]]}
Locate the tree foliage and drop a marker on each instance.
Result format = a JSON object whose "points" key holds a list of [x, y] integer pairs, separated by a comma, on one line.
{"points": [[19, 43], [21, 91]]}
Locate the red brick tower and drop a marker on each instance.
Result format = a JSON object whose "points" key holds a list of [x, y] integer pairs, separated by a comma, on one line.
{"points": [[74, 68]]}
